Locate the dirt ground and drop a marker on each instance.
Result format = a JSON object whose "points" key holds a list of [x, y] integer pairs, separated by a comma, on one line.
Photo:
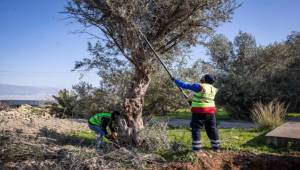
{"points": [[32, 139], [238, 160], [29, 120]]}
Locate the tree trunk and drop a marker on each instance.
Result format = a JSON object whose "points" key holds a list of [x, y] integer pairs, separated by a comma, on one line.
{"points": [[131, 122]]}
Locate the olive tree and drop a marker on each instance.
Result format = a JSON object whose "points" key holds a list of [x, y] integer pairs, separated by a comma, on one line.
{"points": [[172, 26]]}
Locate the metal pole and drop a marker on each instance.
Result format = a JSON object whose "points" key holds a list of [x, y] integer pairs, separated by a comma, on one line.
{"points": [[157, 56]]}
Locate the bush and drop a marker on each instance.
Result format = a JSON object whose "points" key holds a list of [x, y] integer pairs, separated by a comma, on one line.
{"points": [[268, 116], [65, 103], [155, 137]]}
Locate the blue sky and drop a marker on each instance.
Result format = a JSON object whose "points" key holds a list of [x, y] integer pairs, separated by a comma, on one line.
{"points": [[37, 47]]}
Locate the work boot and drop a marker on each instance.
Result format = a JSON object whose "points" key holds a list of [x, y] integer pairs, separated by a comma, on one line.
{"points": [[216, 149], [99, 144], [198, 151], [99, 141]]}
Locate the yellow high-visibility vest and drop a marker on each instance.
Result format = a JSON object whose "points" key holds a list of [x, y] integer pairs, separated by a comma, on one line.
{"points": [[205, 98]]}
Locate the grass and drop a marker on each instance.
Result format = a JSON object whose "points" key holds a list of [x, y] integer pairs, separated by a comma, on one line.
{"points": [[88, 136], [293, 115], [231, 139], [249, 140], [186, 114]]}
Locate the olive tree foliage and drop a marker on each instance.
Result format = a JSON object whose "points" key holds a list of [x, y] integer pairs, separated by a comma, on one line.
{"points": [[249, 73], [93, 100], [163, 96], [171, 26]]}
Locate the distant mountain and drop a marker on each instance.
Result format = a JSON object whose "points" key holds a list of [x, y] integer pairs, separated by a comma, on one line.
{"points": [[16, 92]]}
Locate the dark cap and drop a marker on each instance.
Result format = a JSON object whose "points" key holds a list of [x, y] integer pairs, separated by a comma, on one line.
{"points": [[208, 79], [115, 114]]}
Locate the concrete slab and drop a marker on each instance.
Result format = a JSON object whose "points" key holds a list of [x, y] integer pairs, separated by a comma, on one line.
{"points": [[287, 133]]}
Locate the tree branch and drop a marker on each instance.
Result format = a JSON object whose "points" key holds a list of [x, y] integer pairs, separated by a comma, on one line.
{"points": [[107, 33], [167, 30]]}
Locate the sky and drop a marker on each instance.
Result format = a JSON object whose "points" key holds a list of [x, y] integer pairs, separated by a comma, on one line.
{"points": [[38, 48]]}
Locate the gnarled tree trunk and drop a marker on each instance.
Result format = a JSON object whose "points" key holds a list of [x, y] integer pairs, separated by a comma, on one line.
{"points": [[131, 122]]}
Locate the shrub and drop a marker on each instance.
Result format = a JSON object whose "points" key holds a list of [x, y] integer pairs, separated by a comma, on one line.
{"points": [[155, 137], [65, 103], [270, 115]]}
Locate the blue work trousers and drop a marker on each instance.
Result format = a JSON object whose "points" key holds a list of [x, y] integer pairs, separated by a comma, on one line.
{"points": [[97, 129], [208, 121]]}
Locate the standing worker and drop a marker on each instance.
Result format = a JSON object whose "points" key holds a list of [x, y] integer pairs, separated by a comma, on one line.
{"points": [[203, 111], [99, 123]]}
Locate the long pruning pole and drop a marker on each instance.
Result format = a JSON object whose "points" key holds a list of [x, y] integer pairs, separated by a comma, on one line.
{"points": [[161, 62]]}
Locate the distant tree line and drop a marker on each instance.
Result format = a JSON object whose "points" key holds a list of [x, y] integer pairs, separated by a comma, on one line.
{"points": [[248, 73]]}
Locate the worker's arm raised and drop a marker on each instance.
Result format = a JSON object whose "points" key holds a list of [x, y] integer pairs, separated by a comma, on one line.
{"points": [[189, 86]]}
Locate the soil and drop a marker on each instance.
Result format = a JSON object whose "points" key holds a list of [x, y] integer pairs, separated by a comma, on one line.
{"points": [[30, 120], [33, 139], [238, 160]]}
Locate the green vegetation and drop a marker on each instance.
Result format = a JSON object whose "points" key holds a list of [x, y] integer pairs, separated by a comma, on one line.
{"points": [[180, 154], [231, 139], [249, 140], [86, 135], [293, 115], [65, 103], [252, 73], [186, 114]]}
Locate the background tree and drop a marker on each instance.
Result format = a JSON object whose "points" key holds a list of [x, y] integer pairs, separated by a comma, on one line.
{"points": [[221, 52], [249, 73], [170, 25], [65, 103]]}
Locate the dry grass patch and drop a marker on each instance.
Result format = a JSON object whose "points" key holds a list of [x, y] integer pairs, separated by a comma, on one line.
{"points": [[270, 115]]}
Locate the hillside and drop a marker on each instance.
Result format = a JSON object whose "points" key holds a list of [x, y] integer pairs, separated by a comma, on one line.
{"points": [[17, 92]]}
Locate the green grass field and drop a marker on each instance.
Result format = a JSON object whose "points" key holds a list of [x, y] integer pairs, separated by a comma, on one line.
{"points": [[250, 140], [231, 139], [293, 115]]}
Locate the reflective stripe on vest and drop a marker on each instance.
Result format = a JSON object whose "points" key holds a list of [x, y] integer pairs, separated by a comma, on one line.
{"points": [[205, 98], [96, 118]]}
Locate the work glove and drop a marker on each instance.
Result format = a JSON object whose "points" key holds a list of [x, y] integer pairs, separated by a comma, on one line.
{"points": [[112, 136]]}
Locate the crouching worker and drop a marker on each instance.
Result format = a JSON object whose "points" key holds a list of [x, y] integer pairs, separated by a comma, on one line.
{"points": [[203, 111], [99, 123]]}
